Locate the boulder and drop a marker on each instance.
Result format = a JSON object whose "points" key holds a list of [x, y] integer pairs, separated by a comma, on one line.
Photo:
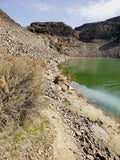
{"points": [[62, 83], [100, 133], [105, 30], [51, 28]]}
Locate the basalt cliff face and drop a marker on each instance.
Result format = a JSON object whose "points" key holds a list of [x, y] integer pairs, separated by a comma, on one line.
{"points": [[99, 39], [106, 30], [51, 28]]}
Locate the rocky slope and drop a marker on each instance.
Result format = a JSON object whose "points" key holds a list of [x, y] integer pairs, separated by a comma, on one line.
{"points": [[86, 131], [16, 40], [51, 28]]}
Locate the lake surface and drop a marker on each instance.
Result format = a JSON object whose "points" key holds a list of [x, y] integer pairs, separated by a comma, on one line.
{"points": [[98, 79]]}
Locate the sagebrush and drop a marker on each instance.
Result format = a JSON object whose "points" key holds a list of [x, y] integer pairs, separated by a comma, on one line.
{"points": [[21, 80]]}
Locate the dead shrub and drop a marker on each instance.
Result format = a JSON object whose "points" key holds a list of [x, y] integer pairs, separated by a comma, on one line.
{"points": [[21, 81]]}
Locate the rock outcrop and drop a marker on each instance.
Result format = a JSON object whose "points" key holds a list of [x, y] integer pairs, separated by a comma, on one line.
{"points": [[106, 30], [115, 19], [100, 39], [51, 28]]}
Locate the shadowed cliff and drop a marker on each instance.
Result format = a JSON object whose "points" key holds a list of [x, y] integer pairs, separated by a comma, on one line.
{"points": [[105, 30]]}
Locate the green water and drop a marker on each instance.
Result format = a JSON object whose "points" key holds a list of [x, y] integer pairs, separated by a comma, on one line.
{"points": [[100, 79]]}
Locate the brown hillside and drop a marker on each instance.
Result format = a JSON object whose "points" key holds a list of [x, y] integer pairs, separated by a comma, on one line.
{"points": [[15, 40]]}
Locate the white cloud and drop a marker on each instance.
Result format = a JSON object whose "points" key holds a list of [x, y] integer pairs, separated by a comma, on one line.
{"points": [[37, 4], [96, 10], [42, 6]]}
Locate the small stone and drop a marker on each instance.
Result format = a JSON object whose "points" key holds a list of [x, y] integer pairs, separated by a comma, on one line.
{"points": [[90, 157], [78, 133], [82, 128], [59, 88], [53, 117], [39, 152], [101, 156], [117, 158], [99, 122], [64, 88], [109, 126], [67, 101]]}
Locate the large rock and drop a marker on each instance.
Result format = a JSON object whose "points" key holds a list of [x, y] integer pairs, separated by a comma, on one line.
{"points": [[51, 28], [115, 19], [105, 30], [62, 83], [100, 133]]}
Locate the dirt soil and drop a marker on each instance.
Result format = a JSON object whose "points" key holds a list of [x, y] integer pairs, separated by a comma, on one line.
{"points": [[64, 144]]}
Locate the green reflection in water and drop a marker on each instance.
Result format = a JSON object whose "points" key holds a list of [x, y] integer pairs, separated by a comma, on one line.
{"points": [[97, 74]]}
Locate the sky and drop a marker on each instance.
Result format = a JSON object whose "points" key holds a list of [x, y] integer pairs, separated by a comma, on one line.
{"points": [[71, 12]]}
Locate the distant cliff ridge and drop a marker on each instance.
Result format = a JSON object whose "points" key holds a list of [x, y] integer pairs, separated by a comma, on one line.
{"points": [[100, 39], [105, 30], [101, 30], [115, 19], [51, 28]]}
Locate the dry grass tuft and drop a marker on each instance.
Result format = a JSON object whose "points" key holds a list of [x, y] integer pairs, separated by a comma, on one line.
{"points": [[20, 83]]}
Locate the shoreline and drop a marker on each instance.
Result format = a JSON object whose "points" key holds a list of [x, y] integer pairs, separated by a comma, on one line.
{"points": [[109, 124], [106, 58], [105, 111]]}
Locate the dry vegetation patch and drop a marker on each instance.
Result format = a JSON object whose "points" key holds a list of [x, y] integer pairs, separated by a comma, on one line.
{"points": [[20, 83], [24, 132]]}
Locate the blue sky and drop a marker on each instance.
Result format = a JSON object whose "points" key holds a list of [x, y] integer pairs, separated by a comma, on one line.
{"points": [[71, 12]]}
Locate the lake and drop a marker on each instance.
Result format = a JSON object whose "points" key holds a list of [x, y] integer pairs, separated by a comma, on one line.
{"points": [[98, 80]]}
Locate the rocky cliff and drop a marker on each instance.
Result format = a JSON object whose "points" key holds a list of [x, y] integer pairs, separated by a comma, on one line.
{"points": [[106, 30], [114, 19], [51, 28], [100, 39]]}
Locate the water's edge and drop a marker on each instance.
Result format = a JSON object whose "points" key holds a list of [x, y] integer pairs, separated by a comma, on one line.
{"points": [[99, 98]]}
